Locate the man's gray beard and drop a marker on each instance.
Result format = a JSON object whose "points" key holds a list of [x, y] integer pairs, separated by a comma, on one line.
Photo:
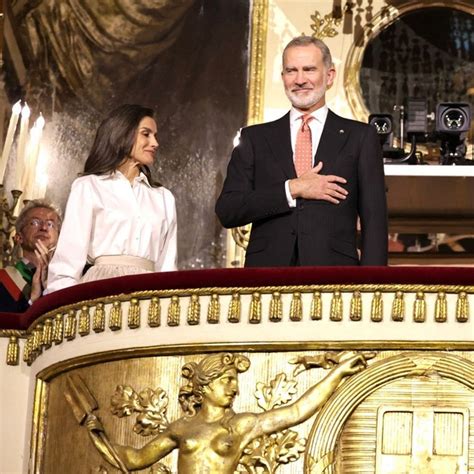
{"points": [[306, 102]]}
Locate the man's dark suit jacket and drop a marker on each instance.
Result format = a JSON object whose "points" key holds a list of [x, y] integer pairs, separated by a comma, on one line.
{"points": [[325, 233]]}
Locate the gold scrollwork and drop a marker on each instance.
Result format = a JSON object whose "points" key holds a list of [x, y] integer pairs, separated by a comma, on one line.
{"points": [[324, 27]]}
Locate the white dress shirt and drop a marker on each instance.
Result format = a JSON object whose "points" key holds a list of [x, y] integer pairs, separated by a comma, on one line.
{"points": [[108, 215], [316, 126]]}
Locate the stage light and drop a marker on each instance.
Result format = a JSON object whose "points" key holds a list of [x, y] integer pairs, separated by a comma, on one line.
{"points": [[383, 124], [453, 120]]}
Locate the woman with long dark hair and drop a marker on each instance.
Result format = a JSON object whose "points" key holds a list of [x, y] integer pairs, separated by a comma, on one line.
{"points": [[117, 218]]}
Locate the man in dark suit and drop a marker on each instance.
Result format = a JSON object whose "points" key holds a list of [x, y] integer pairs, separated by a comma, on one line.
{"points": [[303, 181]]}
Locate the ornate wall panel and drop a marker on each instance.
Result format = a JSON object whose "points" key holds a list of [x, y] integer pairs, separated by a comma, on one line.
{"points": [[349, 435]]}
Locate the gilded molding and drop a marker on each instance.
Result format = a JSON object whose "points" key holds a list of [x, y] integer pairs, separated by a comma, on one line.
{"points": [[257, 61], [239, 236], [154, 312], [255, 311], [398, 307], [174, 311], [62, 323], [355, 312], [194, 310], [98, 320], [13, 351], [316, 312], [84, 321], [115, 319], [441, 308], [462, 308], [419, 308], [214, 309], [276, 307], [336, 311], [40, 412], [70, 325], [384, 288], [235, 309], [296, 307], [48, 333], [58, 368], [376, 311], [13, 332], [58, 328], [134, 314]]}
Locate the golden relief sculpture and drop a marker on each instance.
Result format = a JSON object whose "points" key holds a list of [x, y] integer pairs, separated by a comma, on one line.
{"points": [[211, 437]]}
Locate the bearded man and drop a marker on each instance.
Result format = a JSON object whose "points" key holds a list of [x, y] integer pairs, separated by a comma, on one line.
{"points": [[305, 180]]}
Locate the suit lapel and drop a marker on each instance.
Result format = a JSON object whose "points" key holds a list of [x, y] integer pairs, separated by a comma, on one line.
{"points": [[279, 140], [332, 140]]}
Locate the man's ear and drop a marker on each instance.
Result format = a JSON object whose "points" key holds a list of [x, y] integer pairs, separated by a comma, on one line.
{"points": [[331, 76], [18, 239]]}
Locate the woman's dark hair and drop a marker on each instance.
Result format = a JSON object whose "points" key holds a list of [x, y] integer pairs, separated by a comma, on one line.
{"points": [[114, 140]]}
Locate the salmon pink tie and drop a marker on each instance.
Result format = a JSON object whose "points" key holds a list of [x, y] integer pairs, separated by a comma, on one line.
{"points": [[303, 148]]}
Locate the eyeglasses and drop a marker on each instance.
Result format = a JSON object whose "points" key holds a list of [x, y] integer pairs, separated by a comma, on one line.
{"points": [[39, 223]]}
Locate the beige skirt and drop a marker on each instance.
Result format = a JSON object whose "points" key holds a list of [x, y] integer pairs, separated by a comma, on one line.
{"points": [[110, 266]]}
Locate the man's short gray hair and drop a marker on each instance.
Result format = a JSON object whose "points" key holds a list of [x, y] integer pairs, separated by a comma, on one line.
{"points": [[34, 204], [306, 41]]}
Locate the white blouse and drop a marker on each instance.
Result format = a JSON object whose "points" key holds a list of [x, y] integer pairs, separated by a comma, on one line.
{"points": [[107, 215]]}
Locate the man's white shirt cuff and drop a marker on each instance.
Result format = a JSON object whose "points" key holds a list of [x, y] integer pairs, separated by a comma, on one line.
{"points": [[289, 198]]}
